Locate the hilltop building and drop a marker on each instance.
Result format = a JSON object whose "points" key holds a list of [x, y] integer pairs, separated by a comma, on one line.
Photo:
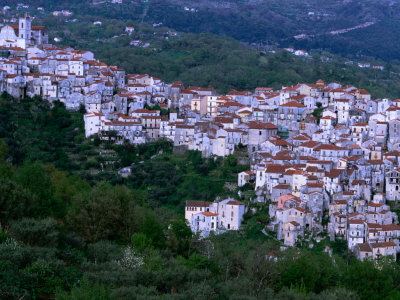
{"points": [[24, 34]]}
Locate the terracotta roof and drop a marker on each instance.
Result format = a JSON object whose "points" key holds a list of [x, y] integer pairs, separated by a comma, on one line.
{"points": [[293, 104], [383, 245], [194, 203], [334, 173], [319, 162], [392, 153], [260, 125], [356, 221], [238, 93], [300, 138], [275, 168], [390, 227], [235, 202], [364, 247], [328, 118], [144, 110], [340, 202], [329, 147], [209, 214], [356, 182], [32, 27], [300, 209], [315, 185], [310, 144], [281, 186]]}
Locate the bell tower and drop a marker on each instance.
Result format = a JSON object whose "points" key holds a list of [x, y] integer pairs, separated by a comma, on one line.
{"points": [[24, 32]]}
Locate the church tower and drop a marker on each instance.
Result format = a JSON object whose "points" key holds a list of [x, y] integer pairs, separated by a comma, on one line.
{"points": [[24, 32]]}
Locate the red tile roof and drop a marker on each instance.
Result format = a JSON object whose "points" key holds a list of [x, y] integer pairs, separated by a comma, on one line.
{"points": [[293, 104]]}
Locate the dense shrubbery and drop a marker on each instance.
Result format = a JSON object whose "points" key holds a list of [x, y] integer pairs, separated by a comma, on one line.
{"points": [[35, 131]]}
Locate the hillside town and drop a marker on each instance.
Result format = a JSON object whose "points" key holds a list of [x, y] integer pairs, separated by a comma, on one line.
{"points": [[324, 157]]}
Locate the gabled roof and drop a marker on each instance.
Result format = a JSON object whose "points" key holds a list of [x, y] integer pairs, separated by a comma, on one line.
{"points": [[383, 245], [261, 125], [235, 202], [281, 187], [364, 247], [275, 168], [195, 203], [329, 147], [334, 173], [356, 221], [293, 104], [209, 214], [310, 144]]}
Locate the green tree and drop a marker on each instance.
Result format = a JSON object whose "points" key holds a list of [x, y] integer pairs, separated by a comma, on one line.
{"points": [[311, 273], [152, 229], [42, 278], [85, 290], [105, 212], [16, 201], [35, 232], [368, 281], [35, 178], [3, 150], [178, 237], [141, 242]]}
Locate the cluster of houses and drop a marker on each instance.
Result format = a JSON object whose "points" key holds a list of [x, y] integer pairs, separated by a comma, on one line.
{"points": [[298, 52], [325, 157], [368, 65], [64, 13], [336, 170], [216, 217]]}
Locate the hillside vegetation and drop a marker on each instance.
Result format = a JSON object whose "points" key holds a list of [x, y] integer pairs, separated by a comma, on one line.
{"points": [[267, 22]]}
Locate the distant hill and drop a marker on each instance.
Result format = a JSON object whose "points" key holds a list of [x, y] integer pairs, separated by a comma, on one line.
{"points": [[346, 27], [277, 22]]}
